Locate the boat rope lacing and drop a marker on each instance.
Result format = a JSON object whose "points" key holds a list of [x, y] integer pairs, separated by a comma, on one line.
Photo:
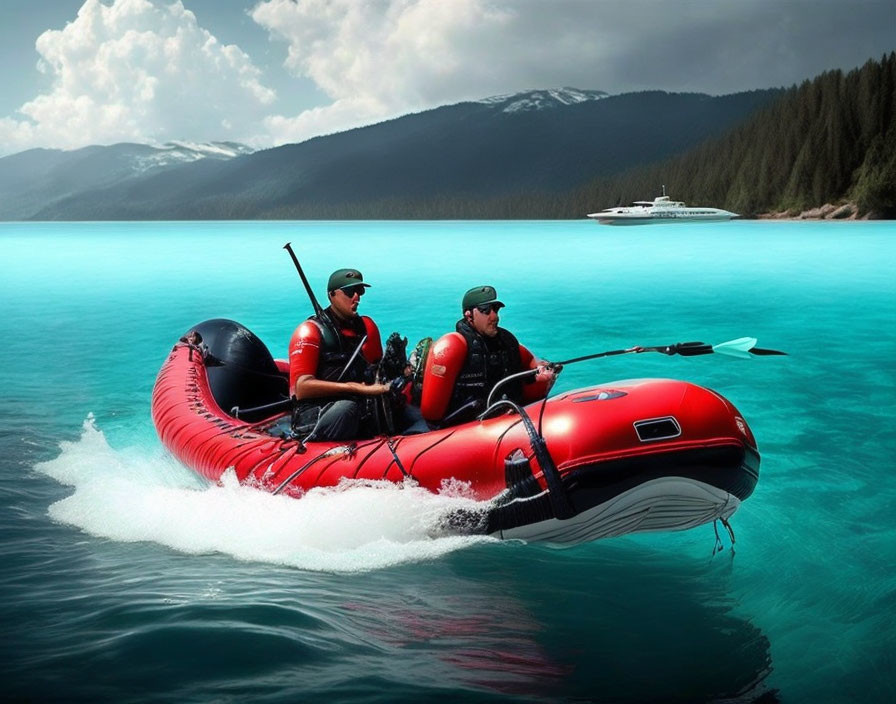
{"points": [[395, 460], [348, 450]]}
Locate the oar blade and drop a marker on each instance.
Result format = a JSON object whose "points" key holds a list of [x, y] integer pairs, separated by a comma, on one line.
{"points": [[762, 352], [739, 348]]}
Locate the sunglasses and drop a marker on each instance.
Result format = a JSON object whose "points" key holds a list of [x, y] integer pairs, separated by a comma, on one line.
{"points": [[350, 291], [487, 308]]}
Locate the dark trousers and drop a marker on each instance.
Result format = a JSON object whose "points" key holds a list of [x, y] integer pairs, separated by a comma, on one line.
{"points": [[337, 420], [342, 420], [413, 421]]}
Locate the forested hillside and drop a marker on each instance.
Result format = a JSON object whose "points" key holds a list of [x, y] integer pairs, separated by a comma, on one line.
{"points": [[455, 161], [829, 140]]}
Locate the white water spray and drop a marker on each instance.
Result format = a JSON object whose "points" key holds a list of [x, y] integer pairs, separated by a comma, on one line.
{"points": [[129, 496]]}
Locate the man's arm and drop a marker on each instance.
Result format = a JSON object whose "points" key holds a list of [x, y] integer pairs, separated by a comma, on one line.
{"points": [[304, 353], [308, 386], [540, 385], [373, 345]]}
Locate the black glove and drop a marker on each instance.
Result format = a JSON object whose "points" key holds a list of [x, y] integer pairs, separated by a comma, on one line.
{"points": [[395, 358], [396, 386]]}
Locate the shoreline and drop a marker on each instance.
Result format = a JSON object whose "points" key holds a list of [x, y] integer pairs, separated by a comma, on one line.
{"points": [[828, 211]]}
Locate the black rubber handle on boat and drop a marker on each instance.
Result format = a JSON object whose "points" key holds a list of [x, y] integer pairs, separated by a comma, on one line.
{"points": [[314, 304]]}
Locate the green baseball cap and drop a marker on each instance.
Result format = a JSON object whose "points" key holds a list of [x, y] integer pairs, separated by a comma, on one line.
{"points": [[480, 295], [345, 277]]}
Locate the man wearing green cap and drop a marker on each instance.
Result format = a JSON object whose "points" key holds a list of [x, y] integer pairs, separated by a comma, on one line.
{"points": [[464, 366], [329, 358]]}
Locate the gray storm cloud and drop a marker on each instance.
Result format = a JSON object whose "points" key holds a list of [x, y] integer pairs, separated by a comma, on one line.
{"points": [[142, 70]]}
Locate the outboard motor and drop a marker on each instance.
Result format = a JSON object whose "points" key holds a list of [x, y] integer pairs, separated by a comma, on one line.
{"points": [[241, 371]]}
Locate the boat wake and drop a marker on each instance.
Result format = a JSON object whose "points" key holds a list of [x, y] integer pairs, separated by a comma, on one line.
{"points": [[127, 496]]}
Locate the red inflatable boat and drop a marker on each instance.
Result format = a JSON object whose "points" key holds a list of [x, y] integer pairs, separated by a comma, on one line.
{"points": [[625, 457]]}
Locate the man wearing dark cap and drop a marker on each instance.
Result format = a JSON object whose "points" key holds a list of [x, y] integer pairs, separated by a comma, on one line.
{"points": [[463, 366], [329, 357]]}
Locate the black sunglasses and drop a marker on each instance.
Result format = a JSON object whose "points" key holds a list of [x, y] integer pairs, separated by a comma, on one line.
{"points": [[487, 308], [350, 291]]}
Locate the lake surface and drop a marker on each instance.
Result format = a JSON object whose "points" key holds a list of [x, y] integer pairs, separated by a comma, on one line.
{"points": [[125, 577]]}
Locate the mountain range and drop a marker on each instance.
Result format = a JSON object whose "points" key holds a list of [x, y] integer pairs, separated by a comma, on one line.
{"points": [[33, 180], [539, 141]]}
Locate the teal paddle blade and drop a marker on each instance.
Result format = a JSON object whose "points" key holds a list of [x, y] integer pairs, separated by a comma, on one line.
{"points": [[739, 348]]}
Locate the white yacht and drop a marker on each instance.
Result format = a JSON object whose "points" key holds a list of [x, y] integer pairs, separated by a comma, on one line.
{"points": [[659, 210]]}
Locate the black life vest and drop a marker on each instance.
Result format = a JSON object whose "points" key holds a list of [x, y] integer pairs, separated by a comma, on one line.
{"points": [[489, 359], [337, 348]]}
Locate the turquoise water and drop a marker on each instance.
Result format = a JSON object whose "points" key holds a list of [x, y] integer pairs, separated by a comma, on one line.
{"points": [[125, 577]]}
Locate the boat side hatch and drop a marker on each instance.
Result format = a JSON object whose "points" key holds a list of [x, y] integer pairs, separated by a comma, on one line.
{"points": [[603, 395], [652, 429]]}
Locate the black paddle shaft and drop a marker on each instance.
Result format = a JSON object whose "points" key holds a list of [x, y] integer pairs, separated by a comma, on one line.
{"points": [[314, 304], [685, 349]]}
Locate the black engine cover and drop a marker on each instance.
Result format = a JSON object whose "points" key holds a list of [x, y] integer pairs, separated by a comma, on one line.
{"points": [[241, 370]]}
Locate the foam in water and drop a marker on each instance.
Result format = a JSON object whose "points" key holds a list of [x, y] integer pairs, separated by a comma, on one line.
{"points": [[130, 496]]}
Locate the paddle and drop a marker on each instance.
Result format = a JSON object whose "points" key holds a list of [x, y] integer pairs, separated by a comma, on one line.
{"points": [[314, 303], [741, 348]]}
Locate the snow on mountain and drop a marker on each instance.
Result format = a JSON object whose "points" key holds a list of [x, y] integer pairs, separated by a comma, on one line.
{"points": [[180, 152], [542, 99]]}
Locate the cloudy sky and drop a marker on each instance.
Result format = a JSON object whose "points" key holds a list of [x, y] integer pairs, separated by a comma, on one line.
{"points": [[268, 72]]}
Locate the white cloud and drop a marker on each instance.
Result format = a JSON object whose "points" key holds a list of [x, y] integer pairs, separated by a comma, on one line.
{"points": [[145, 70], [384, 58], [377, 59], [134, 70]]}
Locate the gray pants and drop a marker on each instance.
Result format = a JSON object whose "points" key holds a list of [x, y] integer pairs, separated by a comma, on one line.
{"points": [[337, 420], [341, 420], [413, 421]]}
